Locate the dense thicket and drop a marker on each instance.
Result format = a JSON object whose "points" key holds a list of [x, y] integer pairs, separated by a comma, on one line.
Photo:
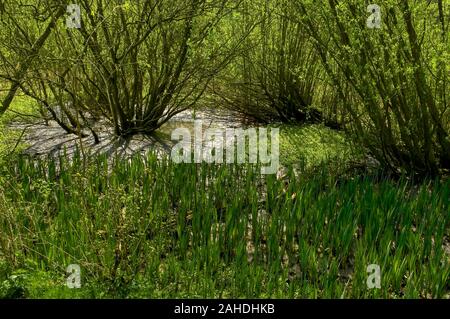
{"points": [[138, 63], [278, 76], [396, 76]]}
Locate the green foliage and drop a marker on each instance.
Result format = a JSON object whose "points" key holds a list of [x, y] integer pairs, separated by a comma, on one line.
{"points": [[148, 228], [136, 64], [277, 76], [314, 144], [10, 139], [393, 80]]}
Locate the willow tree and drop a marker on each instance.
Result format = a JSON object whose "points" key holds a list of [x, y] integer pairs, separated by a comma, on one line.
{"points": [[396, 71], [134, 63], [278, 77]]}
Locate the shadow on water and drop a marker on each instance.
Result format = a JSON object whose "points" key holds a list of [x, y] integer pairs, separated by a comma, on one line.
{"points": [[51, 140]]}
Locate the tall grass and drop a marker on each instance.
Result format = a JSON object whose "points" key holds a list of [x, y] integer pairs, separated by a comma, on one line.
{"points": [[150, 228]]}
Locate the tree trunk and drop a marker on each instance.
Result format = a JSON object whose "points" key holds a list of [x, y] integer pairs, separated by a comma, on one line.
{"points": [[23, 67]]}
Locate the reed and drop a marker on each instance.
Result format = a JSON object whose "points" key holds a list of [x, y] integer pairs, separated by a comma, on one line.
{"points": [[151, 228]]}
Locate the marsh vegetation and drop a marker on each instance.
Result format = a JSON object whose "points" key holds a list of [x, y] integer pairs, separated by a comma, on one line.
{"points": [[361, 101]]}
